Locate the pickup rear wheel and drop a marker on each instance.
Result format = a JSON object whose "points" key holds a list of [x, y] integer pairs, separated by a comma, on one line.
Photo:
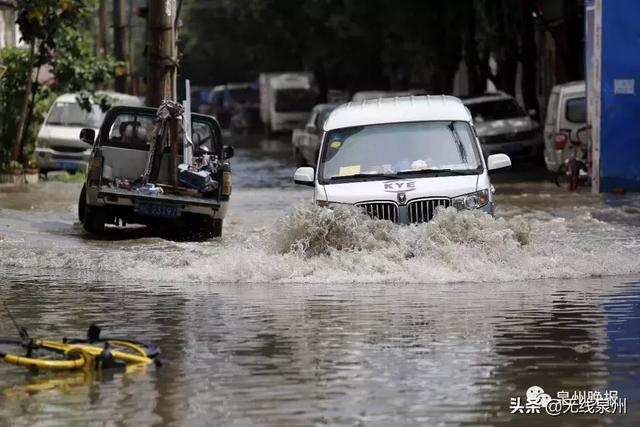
{"points": [[82, 203], [203, 225], [216, 228], [209, 227], [94, 219]]}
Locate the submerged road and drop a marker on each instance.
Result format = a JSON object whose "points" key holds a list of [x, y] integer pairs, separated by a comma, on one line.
{"points": [[374, 324]]}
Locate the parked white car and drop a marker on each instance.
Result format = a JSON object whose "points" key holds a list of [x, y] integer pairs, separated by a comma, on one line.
{"points": [[58, 146], [566, 115], [401, 158]]}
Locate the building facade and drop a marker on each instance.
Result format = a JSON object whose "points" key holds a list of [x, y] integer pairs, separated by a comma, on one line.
{"points": [[8, 31]]}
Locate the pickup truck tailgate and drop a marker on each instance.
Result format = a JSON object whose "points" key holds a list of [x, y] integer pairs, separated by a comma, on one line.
{"points": [[157, 198]]}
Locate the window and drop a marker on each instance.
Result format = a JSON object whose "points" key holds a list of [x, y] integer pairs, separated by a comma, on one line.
{"points": [[131, 131], [399, 148], [136, 130], [71, 114], [576, 110], [292, 100]]}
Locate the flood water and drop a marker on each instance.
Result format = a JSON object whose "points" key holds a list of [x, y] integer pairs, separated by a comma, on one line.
{"points": [[304, 316]]}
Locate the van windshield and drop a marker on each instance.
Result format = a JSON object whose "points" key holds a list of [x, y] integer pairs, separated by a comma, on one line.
{"points": [[70, 114], [399, 149], [293, 100]]}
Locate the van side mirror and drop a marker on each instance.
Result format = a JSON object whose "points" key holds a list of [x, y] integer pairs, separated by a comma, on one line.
{"points": [[88, 136], [304, 176], [227, 152], [498, 161]]}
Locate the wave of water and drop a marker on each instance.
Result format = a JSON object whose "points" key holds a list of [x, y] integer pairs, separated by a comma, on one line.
{"points": [[312, 244]]}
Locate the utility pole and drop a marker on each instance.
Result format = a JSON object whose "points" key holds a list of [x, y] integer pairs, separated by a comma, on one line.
{"points": [[101, 39], [120, 44], [161, 52]]}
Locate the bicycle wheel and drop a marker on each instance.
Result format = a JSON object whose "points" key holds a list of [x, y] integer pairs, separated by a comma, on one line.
{"points": [[31, 355]]}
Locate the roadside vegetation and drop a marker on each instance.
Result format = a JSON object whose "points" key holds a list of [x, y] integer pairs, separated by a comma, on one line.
{"points": [[68, 177], [59, 42]]}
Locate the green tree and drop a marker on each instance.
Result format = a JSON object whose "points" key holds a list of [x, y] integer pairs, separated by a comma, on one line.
{"points": [[56, 33]]}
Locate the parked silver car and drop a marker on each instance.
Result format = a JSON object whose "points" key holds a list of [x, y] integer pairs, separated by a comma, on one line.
{"points": [[306, 142], [58, 146], [503, 126]]}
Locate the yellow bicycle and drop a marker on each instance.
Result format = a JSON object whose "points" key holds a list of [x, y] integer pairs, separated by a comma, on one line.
{"points": [[93, 352]]}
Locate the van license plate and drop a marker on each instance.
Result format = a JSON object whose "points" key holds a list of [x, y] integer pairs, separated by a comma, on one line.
{"points": [[162, 211], [68, 165], [514, 148]]}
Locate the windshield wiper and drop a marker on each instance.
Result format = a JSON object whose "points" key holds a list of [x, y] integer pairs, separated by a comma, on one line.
{"points": [[451, 171], [363, 175]]}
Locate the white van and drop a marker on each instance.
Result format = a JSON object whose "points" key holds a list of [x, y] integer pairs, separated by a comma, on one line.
{"points": [[401, 158], [566, 114]]}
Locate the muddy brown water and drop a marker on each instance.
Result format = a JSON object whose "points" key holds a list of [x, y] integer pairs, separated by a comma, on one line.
{"points": [[546, 294]]}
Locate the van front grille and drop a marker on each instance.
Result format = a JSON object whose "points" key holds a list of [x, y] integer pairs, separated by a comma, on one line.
{"points": [[380, 210], [423, 210]]}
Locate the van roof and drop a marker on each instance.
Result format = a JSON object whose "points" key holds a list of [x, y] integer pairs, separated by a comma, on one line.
{"points": [[119, 98], [571, 87], [397, 110]]}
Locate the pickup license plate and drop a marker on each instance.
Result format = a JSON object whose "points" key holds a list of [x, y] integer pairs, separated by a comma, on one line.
{"points": [[162, 211]]}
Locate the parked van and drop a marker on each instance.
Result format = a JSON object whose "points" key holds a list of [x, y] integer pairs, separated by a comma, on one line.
{"points": [[401, 158], [58, 146], [566, 114]]}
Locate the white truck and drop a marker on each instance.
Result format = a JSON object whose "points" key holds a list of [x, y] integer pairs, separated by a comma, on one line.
{"points": [[286, 99], [400, 159]]}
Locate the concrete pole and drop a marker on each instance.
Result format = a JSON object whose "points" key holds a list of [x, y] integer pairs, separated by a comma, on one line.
{"points": [[120, 44], [101, 39], [161, 62]]}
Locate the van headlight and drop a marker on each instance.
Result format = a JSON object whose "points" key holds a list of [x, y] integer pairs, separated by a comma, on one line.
{"points": [[472, 200]]}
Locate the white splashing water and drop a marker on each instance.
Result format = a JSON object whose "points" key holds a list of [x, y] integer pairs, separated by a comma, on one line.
{"points": [[313, 244]]}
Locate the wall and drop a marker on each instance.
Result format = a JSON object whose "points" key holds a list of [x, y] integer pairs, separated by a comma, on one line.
{"points": [[615, 78]]}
